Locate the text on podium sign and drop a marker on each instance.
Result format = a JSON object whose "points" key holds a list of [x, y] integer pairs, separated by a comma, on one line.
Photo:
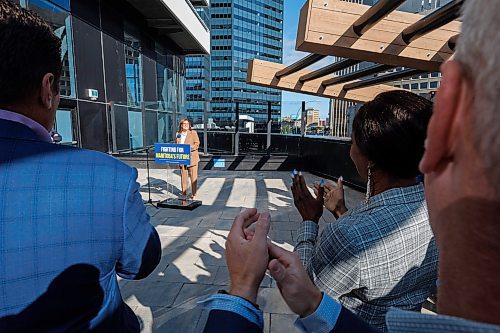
{"points": [[172, 153]]}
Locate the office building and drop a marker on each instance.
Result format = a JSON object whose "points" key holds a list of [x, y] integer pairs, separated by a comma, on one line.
{"points": [[198, 78], [122, 85], [240, 31], [312, 116]]}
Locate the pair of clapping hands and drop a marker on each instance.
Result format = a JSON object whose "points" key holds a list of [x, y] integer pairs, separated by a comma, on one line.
{"points": [[328, 195], [249, 253]]}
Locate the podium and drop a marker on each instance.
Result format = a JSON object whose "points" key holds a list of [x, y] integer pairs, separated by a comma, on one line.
{"points": [[173, 153]]}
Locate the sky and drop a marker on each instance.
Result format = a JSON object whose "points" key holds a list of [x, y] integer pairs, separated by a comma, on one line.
{"points": [[291, 102]]}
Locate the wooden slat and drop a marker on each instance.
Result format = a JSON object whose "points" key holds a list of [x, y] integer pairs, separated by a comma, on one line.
{"points": [[262, 73], [325, 27]]}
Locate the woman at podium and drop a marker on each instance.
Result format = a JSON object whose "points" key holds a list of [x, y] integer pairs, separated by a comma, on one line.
{"points": [[189, 137]]}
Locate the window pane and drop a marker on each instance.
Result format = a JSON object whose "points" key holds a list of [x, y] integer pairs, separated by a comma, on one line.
{"points": [[64, 125], [135, 128], [60, 20], [133, 70]]}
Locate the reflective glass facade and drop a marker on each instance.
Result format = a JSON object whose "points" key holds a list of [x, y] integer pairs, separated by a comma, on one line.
{"points": [[242, 30], [198, 79], [137, 76]]}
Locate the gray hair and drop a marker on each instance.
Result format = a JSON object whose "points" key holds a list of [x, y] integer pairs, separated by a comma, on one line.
{"points": [[478, 52]]}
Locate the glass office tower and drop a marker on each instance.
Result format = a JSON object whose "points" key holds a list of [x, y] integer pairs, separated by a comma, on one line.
{"points": [[198, 80], [240, 31]]}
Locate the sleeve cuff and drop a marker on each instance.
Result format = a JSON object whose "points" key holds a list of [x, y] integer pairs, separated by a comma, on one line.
{"points": [[308, 230], [322, 320], [236, 305]]}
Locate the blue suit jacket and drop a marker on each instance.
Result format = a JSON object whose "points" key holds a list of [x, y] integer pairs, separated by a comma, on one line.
{"points": [[220, 321], [70, 220]]}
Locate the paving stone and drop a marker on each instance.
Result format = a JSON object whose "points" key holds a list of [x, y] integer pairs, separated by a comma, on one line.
{"points": [[295, 216], [183, 221], [216, 223], [284, 226], [222, 276], [190, 294], [230, 213], [169, 212], [281, 236], [270, 300], [283, 323], [145, 317], [152, 293], [171, 231], [189, 273], [152, 211], [202, 321], [198, 232], [219, 235], [167, 320]]}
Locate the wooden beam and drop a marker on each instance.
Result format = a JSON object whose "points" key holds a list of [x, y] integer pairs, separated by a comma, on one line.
{"points": [[326, 27], [263, 73]]}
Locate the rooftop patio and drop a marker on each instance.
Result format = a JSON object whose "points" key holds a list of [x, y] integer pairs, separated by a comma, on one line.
{"points": [[193, 264]]}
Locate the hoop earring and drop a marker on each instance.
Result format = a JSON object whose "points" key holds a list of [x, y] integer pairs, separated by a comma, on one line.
{"points": [[369, 185]]}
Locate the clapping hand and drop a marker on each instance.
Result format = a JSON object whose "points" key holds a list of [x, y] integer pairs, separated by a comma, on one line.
{"points": [[333, 197], [310, 208], [297, 289], [247, 253]]}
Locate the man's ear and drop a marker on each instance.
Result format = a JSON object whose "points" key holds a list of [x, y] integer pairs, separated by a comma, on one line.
{"points": [[47, 95], [438, 145]]}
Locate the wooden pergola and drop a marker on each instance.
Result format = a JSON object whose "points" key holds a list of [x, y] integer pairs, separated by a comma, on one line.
{"points": [[358, 33]]}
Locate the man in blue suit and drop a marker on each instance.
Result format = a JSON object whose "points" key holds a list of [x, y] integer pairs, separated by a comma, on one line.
{"points": [[462, 185], [70, 219]]}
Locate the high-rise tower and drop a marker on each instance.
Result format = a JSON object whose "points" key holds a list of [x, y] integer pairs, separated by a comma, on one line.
{"points": [[240, 31]]}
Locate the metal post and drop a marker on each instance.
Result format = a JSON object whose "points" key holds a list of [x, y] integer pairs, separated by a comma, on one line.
{"points": [[303, 119], [113, 126], [144, 118], [236, 130], [175, 124], [205, 128], [269, 125]]}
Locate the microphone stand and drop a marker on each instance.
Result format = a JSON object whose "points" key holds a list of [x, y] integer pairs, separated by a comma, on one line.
{"points": [[149, 183]]}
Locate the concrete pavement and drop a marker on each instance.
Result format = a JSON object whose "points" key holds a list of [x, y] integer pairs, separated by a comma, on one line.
{"points": [[193, 266]]}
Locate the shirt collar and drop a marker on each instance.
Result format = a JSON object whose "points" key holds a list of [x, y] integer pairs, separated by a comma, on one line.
{"points": [[36, 127]]}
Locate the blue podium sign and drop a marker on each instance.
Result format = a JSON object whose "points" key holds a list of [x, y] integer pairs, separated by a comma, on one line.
{"points": [[172, 153]]}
